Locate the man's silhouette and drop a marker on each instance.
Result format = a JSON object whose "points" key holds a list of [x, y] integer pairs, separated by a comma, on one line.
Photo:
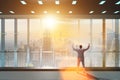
{"points": [[80, 55]]}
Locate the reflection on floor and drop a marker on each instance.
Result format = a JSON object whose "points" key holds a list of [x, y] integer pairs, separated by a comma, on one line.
{"points": [[78, 74], [60, 74]]}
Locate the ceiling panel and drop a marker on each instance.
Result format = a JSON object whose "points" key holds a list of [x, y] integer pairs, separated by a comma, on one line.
{"points": [[83, 7]]}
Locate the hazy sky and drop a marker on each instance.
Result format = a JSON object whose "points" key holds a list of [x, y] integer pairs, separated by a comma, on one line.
{"points": [[65, 28]]}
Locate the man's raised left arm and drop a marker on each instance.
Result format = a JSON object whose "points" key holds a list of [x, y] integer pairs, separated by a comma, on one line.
{"points": [[87, 47]]}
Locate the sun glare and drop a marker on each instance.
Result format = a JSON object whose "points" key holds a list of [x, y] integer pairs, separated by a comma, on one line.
{"points": [[49, 22]]}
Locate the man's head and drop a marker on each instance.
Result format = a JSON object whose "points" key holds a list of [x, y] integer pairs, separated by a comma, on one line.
{"points": [[80, 46]]}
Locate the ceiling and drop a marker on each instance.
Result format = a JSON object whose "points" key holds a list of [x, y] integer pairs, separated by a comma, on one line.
{"points": [[83, 7]]}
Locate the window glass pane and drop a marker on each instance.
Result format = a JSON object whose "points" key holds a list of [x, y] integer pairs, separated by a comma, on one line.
{"points": [[84, 32], [110, 42], [9, 42], [0, 34], [84, 38], [97, 43], [64, 36], [22, 41], [119, 42], [35, 42]]}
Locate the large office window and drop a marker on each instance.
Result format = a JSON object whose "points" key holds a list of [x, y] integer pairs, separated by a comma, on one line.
{"points": [[52, 47], [9, 42], [21, 41]]}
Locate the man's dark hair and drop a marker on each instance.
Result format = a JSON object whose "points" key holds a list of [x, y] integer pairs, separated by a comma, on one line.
{"points": [[80, 46]]}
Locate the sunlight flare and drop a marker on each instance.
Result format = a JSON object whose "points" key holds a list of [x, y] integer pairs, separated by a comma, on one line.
{"points": [[49, 22]]}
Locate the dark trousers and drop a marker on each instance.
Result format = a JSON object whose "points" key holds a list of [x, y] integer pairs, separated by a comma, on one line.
{"points": [[80, 60]]}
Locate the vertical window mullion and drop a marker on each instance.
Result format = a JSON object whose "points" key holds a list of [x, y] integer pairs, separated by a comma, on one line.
{"points": [[28, 50], [15, 42], [2, 42], [116, 43], [103, 41]]}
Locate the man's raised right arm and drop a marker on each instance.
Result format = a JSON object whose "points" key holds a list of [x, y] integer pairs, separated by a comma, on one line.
{"points": [[74, 48]]}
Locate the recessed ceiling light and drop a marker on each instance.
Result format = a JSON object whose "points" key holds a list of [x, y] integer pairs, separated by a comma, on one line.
{"points": [[102, 2], [70, 12], [57, 2], [57, 12], [117, 3], [103, 12], [45, 12], [74, 2], [40, 2], [32, 12], [116, 12], [0, 12], [23, 2], [12, 12], [91, 12]]}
